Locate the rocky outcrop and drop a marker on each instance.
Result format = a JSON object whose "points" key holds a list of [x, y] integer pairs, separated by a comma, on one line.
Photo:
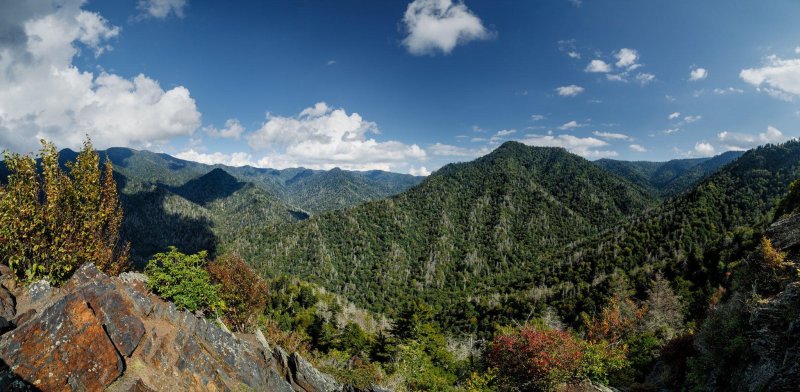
{"points": [[100, 333]]}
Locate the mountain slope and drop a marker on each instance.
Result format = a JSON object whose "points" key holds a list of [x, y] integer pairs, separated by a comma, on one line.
{"points": [[313, 191], [687, 237], [672, 177], [458, 233]]}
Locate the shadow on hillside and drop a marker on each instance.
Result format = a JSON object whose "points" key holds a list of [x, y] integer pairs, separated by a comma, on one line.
{"points": [[214, 185], [151, 229]]}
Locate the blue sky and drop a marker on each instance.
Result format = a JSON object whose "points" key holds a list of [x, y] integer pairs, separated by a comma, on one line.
{"points": [[399, 85]]}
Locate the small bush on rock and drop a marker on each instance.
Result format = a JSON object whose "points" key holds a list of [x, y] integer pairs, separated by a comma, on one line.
{"points": [[184, 280], [242, 289]]}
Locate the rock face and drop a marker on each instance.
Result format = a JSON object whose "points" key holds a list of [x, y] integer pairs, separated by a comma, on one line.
{"points": [[100, 333]]}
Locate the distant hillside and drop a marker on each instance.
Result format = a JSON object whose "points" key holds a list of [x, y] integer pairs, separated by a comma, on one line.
{"points": [[459, 233], [308, 190], [672, 177]]}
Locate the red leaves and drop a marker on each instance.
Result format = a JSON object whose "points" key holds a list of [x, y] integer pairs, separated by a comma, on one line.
{"points": [[532, 359]]}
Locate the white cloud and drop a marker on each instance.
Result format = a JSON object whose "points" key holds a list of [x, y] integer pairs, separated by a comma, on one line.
{"points": [[421, 171], [729, 90], [610, 135], [598, 66], [698, 74], [233, 129], [574, 55], [439, 26], [780, 77], [322, 137], [797, 50], [505, 132], [587, 147], [674, 115], [569, 91], [670, 131], [161, 8], [691, 119], [744, 141], [637, 148], [233, 159], [446, 150], [616, 77], [576, 3], [331, 62], [645, 78], [570, 125], [44, 96], [703, 149], [537, 117], [626, 58]]}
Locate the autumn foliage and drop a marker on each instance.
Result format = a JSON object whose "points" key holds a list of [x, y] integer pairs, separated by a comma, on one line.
{"points": [[531, 359], [242, 289], [52, 220]]}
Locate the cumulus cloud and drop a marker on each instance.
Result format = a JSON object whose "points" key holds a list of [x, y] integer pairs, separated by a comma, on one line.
{"points": [[698, 74], [703, 149], [420, 171], [611, 135], [598, 66], [744, 141], [44, 96], [322, 137], [637, 148], [233, 129], [439, 26], [674, 115], [569, 91], [161, 9], [587, 147], [537, 117], [626, 58], [777, 77], [574, 55], [233, 159]]}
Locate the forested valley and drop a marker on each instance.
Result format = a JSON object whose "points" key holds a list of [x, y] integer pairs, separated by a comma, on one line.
{"points": [[529, 268]]}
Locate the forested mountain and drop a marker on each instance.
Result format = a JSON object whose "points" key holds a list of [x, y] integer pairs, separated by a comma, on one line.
{"points": [[688, 238], [312, 191], [458, 234], [671, 177]]}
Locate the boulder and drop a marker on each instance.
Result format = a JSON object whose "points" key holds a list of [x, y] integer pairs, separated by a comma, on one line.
{"points": [[98, 332], [64, 345]]}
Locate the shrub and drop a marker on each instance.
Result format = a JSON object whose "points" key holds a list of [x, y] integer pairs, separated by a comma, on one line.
{"points": [[531, 359], [243, 290], [184, 280], [52, 221]]}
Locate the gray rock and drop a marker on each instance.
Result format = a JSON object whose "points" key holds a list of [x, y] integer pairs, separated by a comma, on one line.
{"points": [[309, 378]]}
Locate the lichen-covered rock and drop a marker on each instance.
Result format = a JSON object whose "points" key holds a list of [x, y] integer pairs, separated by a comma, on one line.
{"points": [[64, 347], [97, 332]]}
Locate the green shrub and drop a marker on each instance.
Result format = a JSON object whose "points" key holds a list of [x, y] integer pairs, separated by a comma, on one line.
{"points": [[184, 280]]}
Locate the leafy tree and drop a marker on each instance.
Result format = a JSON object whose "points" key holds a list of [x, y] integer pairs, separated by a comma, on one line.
{"points": [[184, 280], [664, 316], [52, 221], [243, 290]]}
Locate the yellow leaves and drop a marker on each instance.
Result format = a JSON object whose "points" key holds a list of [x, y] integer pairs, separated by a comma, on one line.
{"points": [[52, 222], [772, 257]]}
